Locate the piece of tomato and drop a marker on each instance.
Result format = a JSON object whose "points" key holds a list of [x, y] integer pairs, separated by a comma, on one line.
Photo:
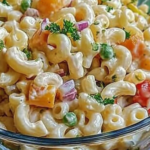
{"points": [[143, 93]]}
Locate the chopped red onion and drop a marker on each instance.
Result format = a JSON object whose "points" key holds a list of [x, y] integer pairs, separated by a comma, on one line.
{"points": [[67, 91], [70, 3], [81, 25], [32, 12], [44, 24], [70, 96]]}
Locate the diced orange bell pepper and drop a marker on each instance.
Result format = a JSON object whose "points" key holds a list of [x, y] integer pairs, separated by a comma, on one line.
{"points": [[99, 2], [47, 7], [136, 46], [145, 63], [39, 40], [42, 96]]}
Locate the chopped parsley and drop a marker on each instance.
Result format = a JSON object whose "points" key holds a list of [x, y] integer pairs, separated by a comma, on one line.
{"points": [[97, 32], [96, 23], [78, 135], [105, 25], [114, 77], [53, 27], [5, 2], [127, 34], [95, 46], [134, 1], [103, 1], [77, 148], [68, 29], [1, 45], [100, 84], [28, 53], [106, 101], [109, 8], [103, 31]]}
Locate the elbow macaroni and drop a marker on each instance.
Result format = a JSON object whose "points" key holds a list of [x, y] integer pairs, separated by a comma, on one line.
{"points": [[17, 38], [18, 61], [118, 88], [84, 12], [23, 124], [103, 90], [62, 51]]}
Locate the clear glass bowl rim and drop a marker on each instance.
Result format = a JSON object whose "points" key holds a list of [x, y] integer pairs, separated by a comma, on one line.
{"points": [[45, 142]]}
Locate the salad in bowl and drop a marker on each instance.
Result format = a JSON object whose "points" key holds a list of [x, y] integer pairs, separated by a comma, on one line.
{"points": [[74, 74]]}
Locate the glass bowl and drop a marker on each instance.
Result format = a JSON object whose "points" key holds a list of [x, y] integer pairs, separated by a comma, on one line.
{"points": [[134, 137]]}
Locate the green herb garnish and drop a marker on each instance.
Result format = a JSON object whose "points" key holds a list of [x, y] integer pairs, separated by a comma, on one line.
{"points": [[97, 32], [114, 77], [68, 29], [78, 135], [108, 9], [98, 98], [28, 53], [106, 51], [96, 23], [106, 101], [53, 27], [5, 2], [134, 1], [100, 84], [103, 1], [137, 148], [1, 45], [95, 46], [127, 34], [103, 31]]}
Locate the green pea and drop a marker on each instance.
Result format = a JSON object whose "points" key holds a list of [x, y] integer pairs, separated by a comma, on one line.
{"points": [[106, 51], [25, 4], [70, 119]]}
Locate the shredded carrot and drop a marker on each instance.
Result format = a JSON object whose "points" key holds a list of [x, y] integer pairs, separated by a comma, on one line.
{"points": [[42, 96]]}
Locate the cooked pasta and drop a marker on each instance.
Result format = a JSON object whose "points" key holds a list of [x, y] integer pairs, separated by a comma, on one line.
{"points": [[83, 70]]}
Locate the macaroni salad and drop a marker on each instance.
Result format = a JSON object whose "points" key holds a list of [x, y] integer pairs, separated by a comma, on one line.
{"points": [[73, 68]]}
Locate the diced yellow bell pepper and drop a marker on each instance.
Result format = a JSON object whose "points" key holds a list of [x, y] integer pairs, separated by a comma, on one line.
{"points": [[136, 10]]}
